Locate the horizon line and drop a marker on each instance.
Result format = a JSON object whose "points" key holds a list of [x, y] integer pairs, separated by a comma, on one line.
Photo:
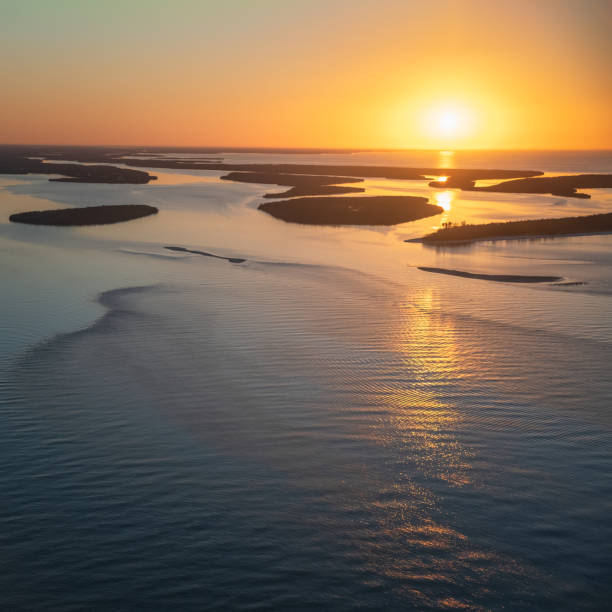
{"points": [[309, 148]]}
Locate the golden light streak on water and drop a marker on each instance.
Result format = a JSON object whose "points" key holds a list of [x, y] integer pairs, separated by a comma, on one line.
{"points": [[419, 415], [446, 159], [444, 199]]}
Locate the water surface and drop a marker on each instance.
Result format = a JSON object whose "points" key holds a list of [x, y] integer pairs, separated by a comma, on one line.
{"points": [[322, 426]]}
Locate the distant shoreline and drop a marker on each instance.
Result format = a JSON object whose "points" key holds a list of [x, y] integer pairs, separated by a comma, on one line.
{"points": [[23, 159], [501, 238], [151, 149], [100, 172], [300, 184]]}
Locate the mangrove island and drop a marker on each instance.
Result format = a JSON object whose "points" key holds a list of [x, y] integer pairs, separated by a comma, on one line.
{"points": [[565, 226], [88, 215], [366, 210]]}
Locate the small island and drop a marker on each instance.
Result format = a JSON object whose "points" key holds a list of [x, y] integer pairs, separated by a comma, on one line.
{"points": [[564, 186], [301, 184], [366, 210], [565, 226], [89, 215], [498, 278], [75, 173]]}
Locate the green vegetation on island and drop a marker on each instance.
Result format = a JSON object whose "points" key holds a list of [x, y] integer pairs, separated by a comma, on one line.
{"points": [[451, 233]]}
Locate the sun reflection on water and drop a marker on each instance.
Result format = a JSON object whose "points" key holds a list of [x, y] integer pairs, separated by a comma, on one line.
{"points": [[419, 421], [446, 159], [444, 199], [419, 413]]}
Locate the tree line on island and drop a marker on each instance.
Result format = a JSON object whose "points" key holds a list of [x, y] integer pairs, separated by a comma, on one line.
{"points": [[88, 215], [464, 232]]}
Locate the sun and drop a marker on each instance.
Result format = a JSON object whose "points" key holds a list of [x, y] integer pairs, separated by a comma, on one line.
{"points": [[448, 123]]}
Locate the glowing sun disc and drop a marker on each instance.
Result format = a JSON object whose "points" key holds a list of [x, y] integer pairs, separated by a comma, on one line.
{"points": [[447, 122]]}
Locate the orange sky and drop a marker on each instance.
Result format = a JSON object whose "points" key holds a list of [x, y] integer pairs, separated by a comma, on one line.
{"points": [[334, 73]]}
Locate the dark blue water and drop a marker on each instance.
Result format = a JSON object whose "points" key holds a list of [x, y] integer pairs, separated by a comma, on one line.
{"points": [[228, 446]]}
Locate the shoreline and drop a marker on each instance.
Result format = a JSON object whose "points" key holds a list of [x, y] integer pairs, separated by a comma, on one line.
{"points": [[467, 241], [452, 233]]}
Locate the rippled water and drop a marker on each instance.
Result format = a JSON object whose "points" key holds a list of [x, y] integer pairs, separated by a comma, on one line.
{"points": [[323, 426]]}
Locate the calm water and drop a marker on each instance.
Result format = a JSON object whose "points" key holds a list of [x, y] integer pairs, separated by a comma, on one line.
{"points": [[322, 427]]}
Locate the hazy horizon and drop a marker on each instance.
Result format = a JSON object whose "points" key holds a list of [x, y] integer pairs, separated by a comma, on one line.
{"points": [[227, 148], [343, 74]]}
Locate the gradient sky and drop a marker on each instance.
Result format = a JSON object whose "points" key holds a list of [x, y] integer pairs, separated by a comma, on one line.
{"points": [[308, 73]]}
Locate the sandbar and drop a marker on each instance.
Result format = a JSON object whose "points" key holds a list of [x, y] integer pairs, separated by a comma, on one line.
{"points": [[499, 278], [205, 254]]}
